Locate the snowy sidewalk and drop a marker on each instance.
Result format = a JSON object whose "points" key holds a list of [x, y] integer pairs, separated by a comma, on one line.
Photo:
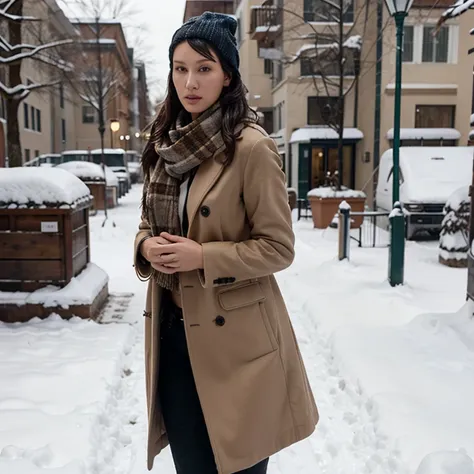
{"points": [[392, 386]]}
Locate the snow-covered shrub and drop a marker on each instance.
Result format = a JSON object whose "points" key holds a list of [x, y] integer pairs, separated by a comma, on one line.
{"points": [[454, 237]]}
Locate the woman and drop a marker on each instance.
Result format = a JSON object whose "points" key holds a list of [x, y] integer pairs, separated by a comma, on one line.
{"points": [[226, 386]]}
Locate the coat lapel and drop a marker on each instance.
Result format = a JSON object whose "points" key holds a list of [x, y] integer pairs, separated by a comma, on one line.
{"points": [[206, 176]]}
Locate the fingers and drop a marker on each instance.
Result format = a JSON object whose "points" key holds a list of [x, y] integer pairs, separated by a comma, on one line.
{"points": [[168, 258], [163, 269], [172, 238]]}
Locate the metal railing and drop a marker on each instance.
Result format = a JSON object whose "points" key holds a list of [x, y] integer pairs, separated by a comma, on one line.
{"points": [[370, 233], [304, 209], [266, 16]]}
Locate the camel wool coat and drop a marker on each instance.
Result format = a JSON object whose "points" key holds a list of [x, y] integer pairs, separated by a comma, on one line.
{"points": [[248, 370]]}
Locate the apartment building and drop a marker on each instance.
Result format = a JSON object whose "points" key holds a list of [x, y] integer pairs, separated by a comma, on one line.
{"points": [[280, 43], [60, 118], [197, 7]]}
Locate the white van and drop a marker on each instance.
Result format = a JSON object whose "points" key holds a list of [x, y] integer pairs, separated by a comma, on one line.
{"points": [[428, 176]]}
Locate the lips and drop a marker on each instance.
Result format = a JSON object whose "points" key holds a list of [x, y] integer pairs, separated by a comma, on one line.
{"points": [[193, 98]]}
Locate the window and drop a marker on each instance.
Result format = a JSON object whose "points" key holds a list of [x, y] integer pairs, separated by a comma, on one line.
{"points": [[435, 116], [61, 95], [323, 110], [38, 120], [278, 117], [435, 48], [88, 114], [408, 43], [37, 153], [268, 121], [63, 130], [267, 66], [26, 115], [420, 46], [326, 64], [277, 73], [33, 118], [27, 154], [321, 11]]}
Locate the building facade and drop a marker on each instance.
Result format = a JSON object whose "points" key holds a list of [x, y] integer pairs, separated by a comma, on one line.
{"points": [[62, 117], [288, 64], [197, 7]]}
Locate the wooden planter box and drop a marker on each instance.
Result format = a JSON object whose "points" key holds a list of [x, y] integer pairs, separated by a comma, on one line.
{"points": [[324, 208], [97, 190], [40, 247]]}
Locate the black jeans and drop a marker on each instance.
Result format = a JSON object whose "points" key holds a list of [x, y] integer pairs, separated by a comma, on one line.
{"points": [[182, 413]]}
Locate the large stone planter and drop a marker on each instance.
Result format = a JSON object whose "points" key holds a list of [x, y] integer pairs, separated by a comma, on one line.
{"points": [[325, 204]]}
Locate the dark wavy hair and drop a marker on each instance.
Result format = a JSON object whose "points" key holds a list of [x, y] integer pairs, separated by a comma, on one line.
{"points": [[233, 102]]}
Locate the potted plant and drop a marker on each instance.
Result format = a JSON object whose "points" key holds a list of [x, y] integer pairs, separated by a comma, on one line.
{"points": [[326, 199]]}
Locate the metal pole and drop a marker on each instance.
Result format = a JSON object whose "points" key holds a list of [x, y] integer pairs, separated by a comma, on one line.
{"points": [[397, 231]]}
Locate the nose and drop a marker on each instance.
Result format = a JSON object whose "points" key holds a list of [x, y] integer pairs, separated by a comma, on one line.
{"points": [[191, 82]]}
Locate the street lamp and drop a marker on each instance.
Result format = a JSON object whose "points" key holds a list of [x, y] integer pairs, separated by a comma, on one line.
{"points": [[114, 127], [399, 10]]}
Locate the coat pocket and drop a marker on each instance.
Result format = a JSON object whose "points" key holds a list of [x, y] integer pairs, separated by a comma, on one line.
{"points": [[248, 327]]}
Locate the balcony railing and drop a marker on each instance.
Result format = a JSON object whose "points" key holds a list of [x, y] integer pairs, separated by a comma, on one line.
{"points": [[266, 23]]}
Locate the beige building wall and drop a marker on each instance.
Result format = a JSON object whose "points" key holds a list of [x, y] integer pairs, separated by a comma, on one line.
{"points": [[423, 83]]}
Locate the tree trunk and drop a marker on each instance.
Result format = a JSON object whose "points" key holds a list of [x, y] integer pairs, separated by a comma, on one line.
{"points": [[340, 126], [12, 104]]}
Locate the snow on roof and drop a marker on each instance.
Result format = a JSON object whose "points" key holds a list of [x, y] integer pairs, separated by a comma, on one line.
{"points": [[81, 290], [323, 133], [353, 42], [74, 152], [41, 187], [426, 134], [264, 29], [432, 174], [100, 40], [108, 151]]}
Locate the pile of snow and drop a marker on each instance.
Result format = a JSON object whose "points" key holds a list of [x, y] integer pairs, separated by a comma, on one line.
{"points": [[87, 171], [82, 290], [41, 188], [331, 192], [454, 237], [84, 170]]}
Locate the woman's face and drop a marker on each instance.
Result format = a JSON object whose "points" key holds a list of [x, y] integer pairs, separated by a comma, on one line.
{"points": [[198, 80]]}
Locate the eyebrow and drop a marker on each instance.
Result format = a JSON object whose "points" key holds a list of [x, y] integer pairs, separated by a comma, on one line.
{"points": [[200, 61]]}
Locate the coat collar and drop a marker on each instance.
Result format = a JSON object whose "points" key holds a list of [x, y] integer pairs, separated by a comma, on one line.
{"points": [[206, 176]]}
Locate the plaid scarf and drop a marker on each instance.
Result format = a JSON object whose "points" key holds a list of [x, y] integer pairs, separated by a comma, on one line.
{"points": [[184, 150]]}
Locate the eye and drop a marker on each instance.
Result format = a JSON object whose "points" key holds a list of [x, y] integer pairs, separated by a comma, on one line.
{"points": [[205, 69], [179, 68]]}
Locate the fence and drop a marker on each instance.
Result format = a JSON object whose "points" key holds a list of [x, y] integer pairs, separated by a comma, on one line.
{"points": [[304, 209]]}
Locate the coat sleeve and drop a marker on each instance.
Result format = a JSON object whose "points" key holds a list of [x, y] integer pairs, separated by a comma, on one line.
{"points": [[142, 266], [271, 246]]}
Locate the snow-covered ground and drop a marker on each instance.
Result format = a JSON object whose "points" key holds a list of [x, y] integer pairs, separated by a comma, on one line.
{"points": [[392, 369]]}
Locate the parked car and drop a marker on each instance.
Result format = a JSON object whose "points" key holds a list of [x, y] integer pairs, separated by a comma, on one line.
{"points": [[116, 160], [49, 159], [74, 155], [134, 166], [428, 176]]}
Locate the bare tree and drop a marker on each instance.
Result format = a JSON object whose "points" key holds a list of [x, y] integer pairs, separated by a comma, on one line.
{"points": [[25, 38], [335, 56]]}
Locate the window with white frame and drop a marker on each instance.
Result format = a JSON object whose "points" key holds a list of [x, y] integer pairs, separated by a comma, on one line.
{"points": [[421, 44]]}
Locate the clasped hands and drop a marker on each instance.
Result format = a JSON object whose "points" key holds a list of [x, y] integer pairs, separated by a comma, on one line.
{"points": [[172, 253]]}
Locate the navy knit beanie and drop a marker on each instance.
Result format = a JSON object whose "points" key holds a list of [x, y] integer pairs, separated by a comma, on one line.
{"points": [[217, 29]]}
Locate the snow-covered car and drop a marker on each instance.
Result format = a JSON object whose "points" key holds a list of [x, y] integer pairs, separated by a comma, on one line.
{"points": [[74, 155], [134, 166], [428, 176], [116, 160]]}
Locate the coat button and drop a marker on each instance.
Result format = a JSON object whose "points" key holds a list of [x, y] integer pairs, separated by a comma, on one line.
{"points": [[220, 321], [205, 211]]}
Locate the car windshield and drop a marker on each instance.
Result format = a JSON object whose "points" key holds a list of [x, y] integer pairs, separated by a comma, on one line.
{"points": [[110, 159], [55, 160], [133, 158], [75, 157]]}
